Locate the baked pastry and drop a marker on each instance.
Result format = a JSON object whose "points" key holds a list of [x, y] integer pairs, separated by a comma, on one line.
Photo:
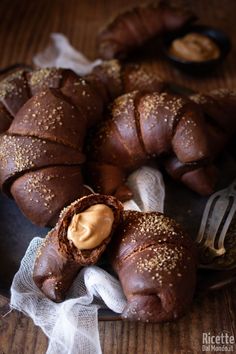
{"points": [[156, 263], [219, 109], [186, 137], [134, 27], [144, 126], [41, 156], [80, 237]]}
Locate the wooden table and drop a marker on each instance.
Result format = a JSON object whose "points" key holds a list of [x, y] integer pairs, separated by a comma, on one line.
{"points": [[25, 29]]}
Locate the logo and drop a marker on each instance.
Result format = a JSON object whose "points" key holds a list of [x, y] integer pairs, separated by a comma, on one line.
{"points": [[222, 342]]}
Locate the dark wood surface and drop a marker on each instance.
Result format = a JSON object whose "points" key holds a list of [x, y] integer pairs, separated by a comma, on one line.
{"points": [[25, 29]]}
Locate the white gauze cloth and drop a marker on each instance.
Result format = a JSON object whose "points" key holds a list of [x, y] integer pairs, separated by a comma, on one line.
{"points": [[61, 54], [72, 326]]}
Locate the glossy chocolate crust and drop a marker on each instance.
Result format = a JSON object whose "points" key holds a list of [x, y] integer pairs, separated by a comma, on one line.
{"points": [[134, 27], [144, 126], [156, 264], [185, 135], [58, 260]]}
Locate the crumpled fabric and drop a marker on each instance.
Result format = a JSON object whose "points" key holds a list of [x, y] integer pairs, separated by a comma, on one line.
{"points": [[61, 54]]}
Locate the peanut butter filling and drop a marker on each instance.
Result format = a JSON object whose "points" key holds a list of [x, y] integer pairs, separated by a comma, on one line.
{"points": [[194, 47], [89, 228]]}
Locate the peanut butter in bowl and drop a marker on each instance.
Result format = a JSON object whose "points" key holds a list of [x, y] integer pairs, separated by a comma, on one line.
{"points": [[195, 47]]}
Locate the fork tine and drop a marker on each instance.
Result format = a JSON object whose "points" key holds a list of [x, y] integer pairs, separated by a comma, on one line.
{"points": [[202, 228], [227, 224], [222, 210], [231, 190], [217, 217]]}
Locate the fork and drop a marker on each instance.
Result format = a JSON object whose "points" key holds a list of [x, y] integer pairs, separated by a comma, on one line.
{"points": [[217, 216]]}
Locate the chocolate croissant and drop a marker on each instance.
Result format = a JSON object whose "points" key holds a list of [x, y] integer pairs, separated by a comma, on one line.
{"points": [[219, 109], [80, 237], [41, 154], [186, 136], [144, 126], [134, 27], [156, 263]]}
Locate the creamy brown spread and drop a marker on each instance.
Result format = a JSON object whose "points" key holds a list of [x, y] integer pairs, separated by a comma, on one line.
{"points": [[89, 228], [194, 47]]}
